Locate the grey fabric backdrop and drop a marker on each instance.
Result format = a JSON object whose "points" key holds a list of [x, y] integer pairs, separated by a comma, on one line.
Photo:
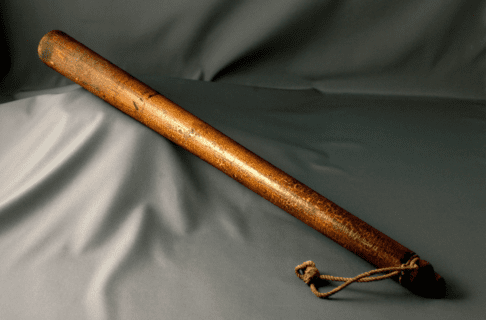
{"points": [[378, 105], [410, 48]]}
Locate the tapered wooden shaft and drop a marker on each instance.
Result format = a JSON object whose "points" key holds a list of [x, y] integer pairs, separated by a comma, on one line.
{"points": [[88, 69]]}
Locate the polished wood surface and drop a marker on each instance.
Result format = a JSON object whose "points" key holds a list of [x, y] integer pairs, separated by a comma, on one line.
{"points": [[88, 69]]}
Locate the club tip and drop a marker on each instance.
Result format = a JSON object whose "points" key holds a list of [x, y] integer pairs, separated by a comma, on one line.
{"points": [[425, 282], [45, 47]]}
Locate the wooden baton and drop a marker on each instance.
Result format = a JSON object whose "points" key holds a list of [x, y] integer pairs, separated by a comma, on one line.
{"points": [[102, 78]]}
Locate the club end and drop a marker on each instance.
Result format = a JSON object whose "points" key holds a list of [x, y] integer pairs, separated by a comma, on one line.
{"points": [[424, 281]]}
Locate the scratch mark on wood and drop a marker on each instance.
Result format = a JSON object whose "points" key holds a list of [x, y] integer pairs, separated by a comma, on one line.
{"points": [[152, 95]]}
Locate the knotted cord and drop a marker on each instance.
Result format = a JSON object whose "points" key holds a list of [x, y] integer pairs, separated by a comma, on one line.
{"points": [[311, 274]]}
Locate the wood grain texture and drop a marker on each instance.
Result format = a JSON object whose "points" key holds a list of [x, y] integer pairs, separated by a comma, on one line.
{"points": [[102, 78]]}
